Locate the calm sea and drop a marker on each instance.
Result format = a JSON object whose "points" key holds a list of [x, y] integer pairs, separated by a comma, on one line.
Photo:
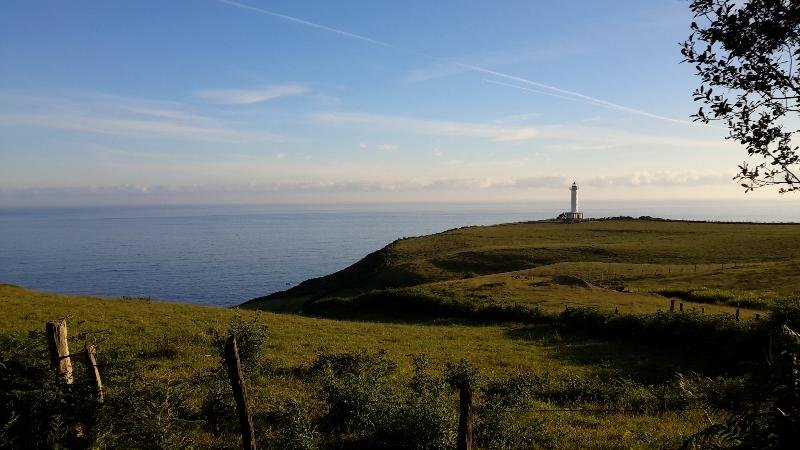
{"points": [[224, 255]]}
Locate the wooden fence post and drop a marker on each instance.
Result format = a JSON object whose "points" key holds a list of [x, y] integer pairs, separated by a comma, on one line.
{"points": [[672, 305], [240, 393], [59, 349], [464, 438], [737, 313], [91, 364], [681, 306]]}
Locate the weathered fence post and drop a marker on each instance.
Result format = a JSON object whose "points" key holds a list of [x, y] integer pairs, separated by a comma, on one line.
{"points": [[58, 345], [59, 349], [240, 393], [464, 438], [91, 364], [703, 310], [681, 306], [672, 305], [737, 313]]}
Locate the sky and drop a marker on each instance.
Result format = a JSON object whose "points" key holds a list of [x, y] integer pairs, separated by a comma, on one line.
{"points": [[262, 101]]}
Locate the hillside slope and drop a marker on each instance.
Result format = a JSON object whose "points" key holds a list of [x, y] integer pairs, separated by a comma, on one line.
{"points": [[476, 251], [161, 369]]}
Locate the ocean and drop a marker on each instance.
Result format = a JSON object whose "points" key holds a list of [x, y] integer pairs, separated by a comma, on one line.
{"points": [[225, 255]]}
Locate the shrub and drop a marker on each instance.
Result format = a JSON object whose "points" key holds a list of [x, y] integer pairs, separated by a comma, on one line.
{"points": [[408, 303], [251, 337], [37, 410], [721, 334], [357, 389], [366, 405], [461, 373], [501, 429], [218, 408], [295, 428], [154, 416], [163, 348], [765, 413], [718, 296], [786, 312]]}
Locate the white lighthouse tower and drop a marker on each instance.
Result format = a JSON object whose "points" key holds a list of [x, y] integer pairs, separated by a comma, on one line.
{"points": [[573, 216]]}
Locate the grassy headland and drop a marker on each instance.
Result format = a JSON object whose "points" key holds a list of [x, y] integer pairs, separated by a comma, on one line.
{"points": [[567, 327], [624, 262]]}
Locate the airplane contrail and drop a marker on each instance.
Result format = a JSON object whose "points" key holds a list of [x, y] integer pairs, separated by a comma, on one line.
{"points": [[565, 93], [588, 100], [542, 92]]}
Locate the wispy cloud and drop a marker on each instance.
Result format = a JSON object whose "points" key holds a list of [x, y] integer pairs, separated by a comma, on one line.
{"points": [[557, 91], [563, 137], [250, 96], [490, 132], [661, 179], [111, 115]]}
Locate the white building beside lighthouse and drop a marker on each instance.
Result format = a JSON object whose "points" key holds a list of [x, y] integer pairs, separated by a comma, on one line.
{"points": [[573, 216]]}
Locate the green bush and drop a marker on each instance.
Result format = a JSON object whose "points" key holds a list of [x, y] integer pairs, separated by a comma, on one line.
{"points": [[295, 430], [37, 410], [501, 429], [367, 405], [251, 338], [218, 408], [720, 334], [786, 312], [146, 416], [764, 410], [411, 304], [718, 296]]}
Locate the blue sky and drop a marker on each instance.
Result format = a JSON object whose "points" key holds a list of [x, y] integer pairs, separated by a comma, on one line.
{"points": [[210, 101]]}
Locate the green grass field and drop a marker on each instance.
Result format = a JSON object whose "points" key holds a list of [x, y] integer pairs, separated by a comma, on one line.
{"points": [[150, 330], [627, 262], [171, 351]]}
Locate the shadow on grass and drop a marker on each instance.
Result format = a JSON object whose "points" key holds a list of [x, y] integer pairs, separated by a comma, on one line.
{"points": [[637, 361]]}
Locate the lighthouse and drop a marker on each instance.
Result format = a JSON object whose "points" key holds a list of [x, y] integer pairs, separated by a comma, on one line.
{"points": [[573, 216], [573, 198]]}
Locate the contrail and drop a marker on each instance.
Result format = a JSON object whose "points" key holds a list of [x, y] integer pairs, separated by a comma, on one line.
{"points": [[316, 25], [566, 93], [583, 99], [537, 91]]}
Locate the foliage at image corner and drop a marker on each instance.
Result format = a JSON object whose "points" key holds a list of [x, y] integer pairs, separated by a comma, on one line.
{"points": [[747, 56]]}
